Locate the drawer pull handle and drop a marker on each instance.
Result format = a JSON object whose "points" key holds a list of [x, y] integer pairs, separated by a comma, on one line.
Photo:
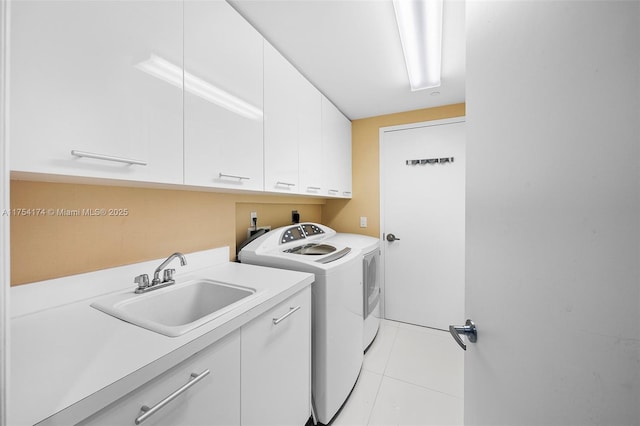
{"points": [[148, 412], [347, 193], [276, 321], [333, 191], [107, 158], [313, 188], [224, 175], [278, 183]]}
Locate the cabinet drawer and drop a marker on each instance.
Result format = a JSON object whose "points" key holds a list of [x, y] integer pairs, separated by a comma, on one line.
{"points": [[212, 400], [276, 364]]}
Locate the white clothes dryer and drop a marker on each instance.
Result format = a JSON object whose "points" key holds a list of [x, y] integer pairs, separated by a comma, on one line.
{"points": [[370, 260], [337, 327]]}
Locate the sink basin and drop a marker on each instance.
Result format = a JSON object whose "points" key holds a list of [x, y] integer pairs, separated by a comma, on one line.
{"points": [[176, 309]]}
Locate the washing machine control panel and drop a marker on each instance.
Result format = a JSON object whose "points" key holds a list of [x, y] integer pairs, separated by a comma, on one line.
{"points": [[300, 232], [292, 234], [311, 229]]}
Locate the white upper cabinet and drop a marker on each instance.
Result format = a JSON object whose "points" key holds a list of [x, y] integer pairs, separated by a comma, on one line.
{"points": [[280, 123], [101, 79], [310, 138], [167, 91], [336, 146], [223, 103], [292, 138]]}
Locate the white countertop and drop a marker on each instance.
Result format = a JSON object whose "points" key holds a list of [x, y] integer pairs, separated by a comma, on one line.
{"points": [[72, 359]]}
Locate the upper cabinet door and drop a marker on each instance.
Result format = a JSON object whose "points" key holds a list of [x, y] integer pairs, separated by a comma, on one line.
{"points": [[223, 68], [99, 78], [280, 123], [310, 138], [336, 146], [345, 157]]}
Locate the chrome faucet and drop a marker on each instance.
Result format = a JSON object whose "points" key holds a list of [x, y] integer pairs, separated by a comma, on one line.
{"points": [[167, 278], [168, 275]]}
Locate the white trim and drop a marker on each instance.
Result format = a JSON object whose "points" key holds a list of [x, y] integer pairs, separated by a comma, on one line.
{"points": [[4, 222], [383, 246]]}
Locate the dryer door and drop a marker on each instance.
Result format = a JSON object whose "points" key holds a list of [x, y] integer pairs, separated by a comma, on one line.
{"points": [[371, 284]]}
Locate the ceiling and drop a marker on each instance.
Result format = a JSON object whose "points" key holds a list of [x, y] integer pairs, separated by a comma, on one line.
{"points": [[350, 50]]}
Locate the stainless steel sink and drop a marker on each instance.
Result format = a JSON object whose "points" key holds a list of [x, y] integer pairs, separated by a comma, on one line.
{"points": [[177, 309]]}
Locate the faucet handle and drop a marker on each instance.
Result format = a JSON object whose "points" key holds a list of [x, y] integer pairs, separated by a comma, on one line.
{"points": [[168, 275], [142, 281]]}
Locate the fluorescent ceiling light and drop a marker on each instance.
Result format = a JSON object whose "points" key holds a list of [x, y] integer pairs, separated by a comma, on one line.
{"points": [[420, 26], [173, 74]]}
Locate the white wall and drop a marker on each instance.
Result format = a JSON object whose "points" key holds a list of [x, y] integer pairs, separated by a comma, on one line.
{"points": [[553, 212]]}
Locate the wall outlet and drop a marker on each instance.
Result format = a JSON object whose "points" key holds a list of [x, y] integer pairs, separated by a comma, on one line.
{"points": [[250, 230], [363, 221]]}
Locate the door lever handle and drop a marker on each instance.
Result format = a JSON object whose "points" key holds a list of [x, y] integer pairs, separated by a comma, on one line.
{"points": [[468, 329], [391, 238]]}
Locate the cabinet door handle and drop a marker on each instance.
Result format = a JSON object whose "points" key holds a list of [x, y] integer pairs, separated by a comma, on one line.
{"points": [[313, 188], [333, 191], [276, 321], [278, 183], [346, 193], [107, 158], [221, 175], [148, 412]]}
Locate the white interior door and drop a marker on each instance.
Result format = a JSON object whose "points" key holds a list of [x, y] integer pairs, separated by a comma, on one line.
{"points": [[553, 213], [4, 225], [423, 207]]}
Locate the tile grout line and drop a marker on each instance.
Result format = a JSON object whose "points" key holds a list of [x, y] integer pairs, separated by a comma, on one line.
{"points": [[429, 334], [386, 375], [424, 387], [375, 399], [393, 345], [383, 375]]}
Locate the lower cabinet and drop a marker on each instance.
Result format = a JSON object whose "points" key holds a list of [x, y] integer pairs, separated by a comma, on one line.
{"points": [[257, 375], [213, 398], [276, 365]]}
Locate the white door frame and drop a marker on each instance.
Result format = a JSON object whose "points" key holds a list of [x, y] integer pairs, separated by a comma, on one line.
{"points": [[383, 246], [4, 221]]}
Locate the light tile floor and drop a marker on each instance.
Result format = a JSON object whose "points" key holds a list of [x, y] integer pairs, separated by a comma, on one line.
{"points": [[411, 376]]}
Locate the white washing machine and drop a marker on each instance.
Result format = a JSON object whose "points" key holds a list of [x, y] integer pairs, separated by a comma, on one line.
{"points": [[370, 260], [337, 304]]}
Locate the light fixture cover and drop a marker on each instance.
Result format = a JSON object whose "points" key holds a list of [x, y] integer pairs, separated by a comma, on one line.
{"points": [[420, 27]]}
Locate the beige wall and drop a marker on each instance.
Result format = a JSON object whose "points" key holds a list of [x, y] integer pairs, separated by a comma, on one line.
{"points": [[344, 215], [158, 223], [271, 213]]}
